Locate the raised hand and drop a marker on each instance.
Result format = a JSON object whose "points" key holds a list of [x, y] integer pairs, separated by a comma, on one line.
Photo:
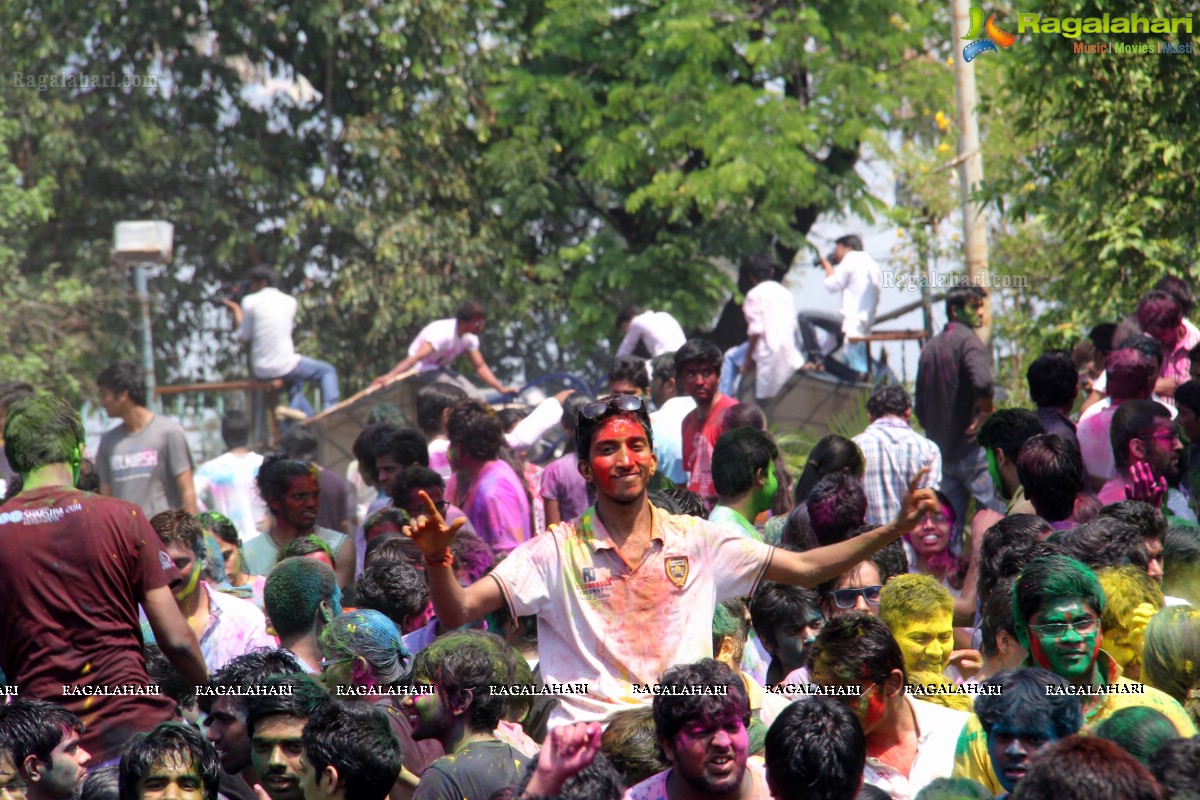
{"points": [[430, 531], [917, 503], [1145, 487], [567, 750]]}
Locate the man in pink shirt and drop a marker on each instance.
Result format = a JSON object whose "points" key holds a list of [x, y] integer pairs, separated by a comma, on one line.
{"points": [[1161, 316], [493, 497], [1143, 438], [627, 590], [1131, 376]]}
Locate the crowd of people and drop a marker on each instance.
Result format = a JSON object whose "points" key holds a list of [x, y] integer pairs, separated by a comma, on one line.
{"points": [[1001, 602]]}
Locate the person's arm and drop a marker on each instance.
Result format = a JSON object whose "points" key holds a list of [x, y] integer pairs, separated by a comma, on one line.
{"points": [[1165, 387], [632, 337], [455, 606], [1092, 399], [812, 567], [486, 375], [173, 635], [347, 556], [106, 489], [423, 352], [553, 512], [237, 315], [751, 343], [545, 416], [567, 750], [975, 366], [965, 604], [187, 491]]}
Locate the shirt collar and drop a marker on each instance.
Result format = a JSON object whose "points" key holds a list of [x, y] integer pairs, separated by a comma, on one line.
{"points": [[891, 421], [591, 529]]}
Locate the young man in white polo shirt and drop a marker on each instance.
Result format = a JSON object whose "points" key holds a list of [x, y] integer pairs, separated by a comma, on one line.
{"points": [[627, 590]]}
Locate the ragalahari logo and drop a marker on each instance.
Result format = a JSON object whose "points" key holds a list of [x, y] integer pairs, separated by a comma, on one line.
{"points": [[986, 36]]}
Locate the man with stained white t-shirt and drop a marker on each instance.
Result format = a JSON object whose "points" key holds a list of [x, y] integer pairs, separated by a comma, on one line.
{"points": [[440, 343], [616, 591], [856, 275], [657, 330]]}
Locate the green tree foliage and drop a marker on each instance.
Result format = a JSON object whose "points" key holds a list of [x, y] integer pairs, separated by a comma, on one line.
{"points": [[1099, 202]]}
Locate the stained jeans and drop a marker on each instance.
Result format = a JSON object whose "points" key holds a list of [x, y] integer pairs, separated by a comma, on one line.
{"points": [[311, 370]]}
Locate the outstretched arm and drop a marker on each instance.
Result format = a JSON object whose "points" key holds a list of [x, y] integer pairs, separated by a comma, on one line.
{"points": [[486, 375], [455, 606], [824, 563], [424, 351]]}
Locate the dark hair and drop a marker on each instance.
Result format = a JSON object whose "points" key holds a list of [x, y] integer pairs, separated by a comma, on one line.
{"points": [[31, 727], [263, 273], [1053, 379], [737, 456], [815, 750], [830, 454], [888, 400], [414, 476], [853, 648], [663, 367], [357, 740], [1104, 542], [101, 784], [170, 740], [697, 351], [760, 267], [1181, 563], [474, 430], [775, 603], [626, 314], [300, 443], [469, 310], [472, 555], [959, 296], [176, 527], [586, 429], [869, 792], [364, 447], [686, 501], [630, 741], [293, 594], [673, 712], [997, 616], [1026, 695], [797, 532], [745, 415], [170, 681], [1158, 311], [405, 445], [235, 428], [1050, 468], [1086, 767], [253, 669], [1146, 518], [599, 780], [1140, 730], [836, 506], [469, 661], [1008, 429], [570, 416], [1008, 546], [305, 546], [1051, 578], [851, 241], [396, 589], [1187, 395], [219, 526], [1130, 373], [1132, 419], [432, 402], [296, 695], [41, 429], [632, 369], [393, 514], [1175, 765], [394, 547], [124, 376], [276, 472], [12, 391], [890, 560]]}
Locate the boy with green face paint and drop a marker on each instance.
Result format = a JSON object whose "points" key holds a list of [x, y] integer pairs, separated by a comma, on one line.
{"points": [[744, 477], [1002, 436], [1057, 605]]}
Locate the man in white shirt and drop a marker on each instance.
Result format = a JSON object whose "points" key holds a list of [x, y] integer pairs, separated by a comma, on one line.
{"points": [[909, 742], [658, 330], [858, 278], [226, 483], [770, 350], [667, 421], [265, 320], [441, 342]]}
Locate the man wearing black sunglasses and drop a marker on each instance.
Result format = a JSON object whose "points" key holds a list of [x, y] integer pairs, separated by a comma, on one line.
{"points": [[626, 590]]}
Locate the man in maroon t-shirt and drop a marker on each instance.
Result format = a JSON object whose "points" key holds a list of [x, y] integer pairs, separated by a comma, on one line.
{"points": [[76, 566]]}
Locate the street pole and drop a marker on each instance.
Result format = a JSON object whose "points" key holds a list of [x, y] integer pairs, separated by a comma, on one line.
{"points": [[146, 340], [970, 168]]}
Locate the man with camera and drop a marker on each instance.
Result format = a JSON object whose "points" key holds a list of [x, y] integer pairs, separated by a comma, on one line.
{"points": [[265, 319], [856, 275]]}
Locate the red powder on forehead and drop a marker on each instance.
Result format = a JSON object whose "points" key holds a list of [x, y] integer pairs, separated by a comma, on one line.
{"points": [[620, 427]]}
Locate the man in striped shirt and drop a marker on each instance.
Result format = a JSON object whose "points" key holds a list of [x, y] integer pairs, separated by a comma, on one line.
{"points": [[893, 453]]}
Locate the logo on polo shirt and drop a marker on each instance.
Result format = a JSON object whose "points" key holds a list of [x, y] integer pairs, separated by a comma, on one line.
{"points": [[596, 583], [677, 570]]}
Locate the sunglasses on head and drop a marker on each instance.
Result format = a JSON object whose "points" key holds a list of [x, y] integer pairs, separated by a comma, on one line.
{"points": [[846, 598], [622, 403]]}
